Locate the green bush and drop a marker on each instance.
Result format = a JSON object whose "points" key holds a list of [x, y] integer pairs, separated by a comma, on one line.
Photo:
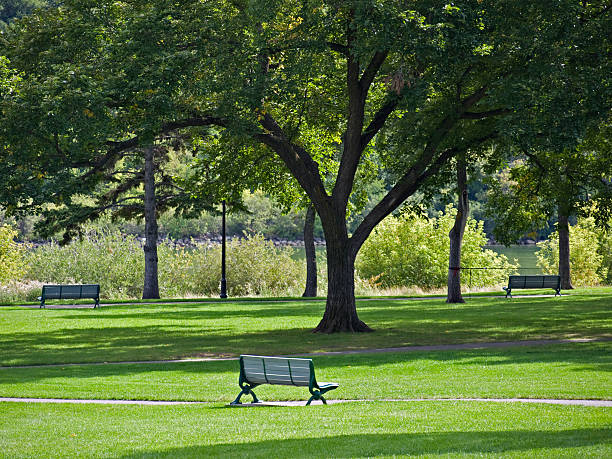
{"points": [[104, 257], [116, 262], [605, 250], [253, 267], [586, 257], [12, 265], [413, 251]]}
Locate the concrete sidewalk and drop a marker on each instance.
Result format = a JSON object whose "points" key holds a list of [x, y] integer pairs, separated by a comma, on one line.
{"points": [[292, 403]]}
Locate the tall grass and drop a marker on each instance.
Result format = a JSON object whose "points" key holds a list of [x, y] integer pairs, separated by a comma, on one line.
{"points": [[115, 261]]}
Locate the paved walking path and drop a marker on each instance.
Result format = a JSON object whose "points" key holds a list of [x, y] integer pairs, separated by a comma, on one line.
{"points": [[599, 403], [439, 347]]}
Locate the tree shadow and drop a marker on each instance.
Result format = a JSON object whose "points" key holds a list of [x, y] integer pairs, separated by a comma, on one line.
{"points": [[372, 445], [179, 332]]}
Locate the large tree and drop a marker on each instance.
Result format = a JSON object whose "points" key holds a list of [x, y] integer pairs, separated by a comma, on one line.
{"points": [[542, 186], [318, 83], [437, 79], [92, 116]]}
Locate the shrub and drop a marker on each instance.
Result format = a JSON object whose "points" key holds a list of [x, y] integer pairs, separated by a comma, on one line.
{"points": [[586, 259], [253, 267], [413, 251], [116, 262], [605, 250], [12, 265], [17, 291], [102, 256]]}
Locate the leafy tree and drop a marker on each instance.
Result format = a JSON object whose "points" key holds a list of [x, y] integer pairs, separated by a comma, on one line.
{"points": [[320, 82], [413, 250], [12, 266], [545, 185], [586, 261], [429, 82], [93, 117]]}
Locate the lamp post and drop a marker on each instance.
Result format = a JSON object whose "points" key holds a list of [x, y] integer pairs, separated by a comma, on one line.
{"points": [[223, 281]]}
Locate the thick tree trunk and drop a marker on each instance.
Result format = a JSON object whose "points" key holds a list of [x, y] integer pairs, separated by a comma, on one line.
{"points": [[151, 285], [340, 310], [456, 236], [564, 251], [311, 256]]}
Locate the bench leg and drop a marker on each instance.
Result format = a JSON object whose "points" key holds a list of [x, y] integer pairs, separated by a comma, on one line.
{"points": [[42, 304], [558, 292], [246, 390], [97, 303], [317, 395]]}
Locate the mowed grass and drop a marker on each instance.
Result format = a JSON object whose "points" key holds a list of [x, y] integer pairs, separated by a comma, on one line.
{"points": [[569, 371], [164, 331], [452, 429], [371, 427]]}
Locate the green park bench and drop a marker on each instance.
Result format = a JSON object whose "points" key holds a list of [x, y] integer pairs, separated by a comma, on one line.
{"points": [[539, 281], [70, 292], [256, 370]]}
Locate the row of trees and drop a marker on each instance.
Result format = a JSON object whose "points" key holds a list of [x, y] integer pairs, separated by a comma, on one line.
{"points": [[309, 100]]}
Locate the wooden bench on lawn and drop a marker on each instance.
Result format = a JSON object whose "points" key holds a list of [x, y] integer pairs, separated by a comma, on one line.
{"points": [[70, 292], [256, 370], [539, 281]]}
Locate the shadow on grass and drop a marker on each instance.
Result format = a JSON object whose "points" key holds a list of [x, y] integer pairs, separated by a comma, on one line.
{"points": [[364, 445], [202, 330]]}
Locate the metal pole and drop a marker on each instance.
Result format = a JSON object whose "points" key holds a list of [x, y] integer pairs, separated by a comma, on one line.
{"points": [[223, 281]]}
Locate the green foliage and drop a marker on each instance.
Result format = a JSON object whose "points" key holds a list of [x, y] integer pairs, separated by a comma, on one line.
{"points": [[605, 250], [12, 265], [13, 9], [586, 254], [413, 250], [254, 267], [101, 257]]}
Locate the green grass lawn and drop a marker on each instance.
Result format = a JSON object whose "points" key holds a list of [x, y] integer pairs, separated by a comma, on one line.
{"points": [[378, 428], [429, 429], [158, 331], [571, 371]]}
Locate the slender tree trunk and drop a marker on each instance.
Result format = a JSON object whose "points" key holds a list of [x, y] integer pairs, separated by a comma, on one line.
{"points": [[151, 285], [340, 309], [456, 235], [311, 256], [564, 250]]}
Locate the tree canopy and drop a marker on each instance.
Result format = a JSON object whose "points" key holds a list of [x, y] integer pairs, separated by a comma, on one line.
{"points": [[320, 85]]}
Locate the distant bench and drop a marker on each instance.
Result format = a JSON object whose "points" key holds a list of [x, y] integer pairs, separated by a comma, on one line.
{"points": [[544, 281], [70, 292], [256, 370]]}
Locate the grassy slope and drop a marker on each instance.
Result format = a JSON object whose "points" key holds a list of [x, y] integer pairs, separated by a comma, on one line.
{"points": [[143, 332]]}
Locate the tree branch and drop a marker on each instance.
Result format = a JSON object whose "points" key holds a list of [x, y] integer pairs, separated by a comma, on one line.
{"points": [[342, 49], [407, 186], [378, 121], [296, 158], [487, 114], [370, 72]]}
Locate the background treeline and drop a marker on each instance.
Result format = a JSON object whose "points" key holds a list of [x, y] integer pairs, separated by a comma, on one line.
{"points": [[264, 216], [406, 254]]}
